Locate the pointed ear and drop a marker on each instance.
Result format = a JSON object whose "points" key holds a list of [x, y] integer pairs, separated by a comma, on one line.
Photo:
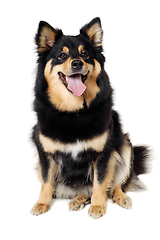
{"points": [[45, 37], [93, 31]]}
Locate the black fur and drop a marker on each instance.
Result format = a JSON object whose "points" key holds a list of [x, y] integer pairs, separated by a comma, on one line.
{"points": [[67, 126], [74, 174], [43, 156], [71, 127], [141, 154]]}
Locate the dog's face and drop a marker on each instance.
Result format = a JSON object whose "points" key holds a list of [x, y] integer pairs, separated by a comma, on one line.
{"points": [[72, 64]]}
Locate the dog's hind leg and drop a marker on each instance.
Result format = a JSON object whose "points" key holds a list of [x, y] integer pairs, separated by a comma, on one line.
{"points": [[121, 198], [78, 203]]}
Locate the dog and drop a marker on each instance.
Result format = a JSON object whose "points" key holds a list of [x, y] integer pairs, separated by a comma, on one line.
{"points": [[83, 153]]}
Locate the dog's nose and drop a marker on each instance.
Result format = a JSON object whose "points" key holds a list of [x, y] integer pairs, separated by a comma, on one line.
{"points": [[77, 64]]}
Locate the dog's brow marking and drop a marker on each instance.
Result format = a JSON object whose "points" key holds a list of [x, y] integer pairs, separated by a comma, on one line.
{"points": [[65, 49], [51, 146], [80, 48]]}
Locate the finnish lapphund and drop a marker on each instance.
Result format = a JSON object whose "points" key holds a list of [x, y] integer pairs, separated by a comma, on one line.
{"points": [[83, 153]]}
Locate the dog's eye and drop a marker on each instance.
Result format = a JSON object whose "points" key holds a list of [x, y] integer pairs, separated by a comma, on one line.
{"points": [[62, 56], [84, 55]]}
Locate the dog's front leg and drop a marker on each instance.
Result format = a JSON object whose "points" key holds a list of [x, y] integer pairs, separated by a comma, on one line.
{"points": [[47, 177], [104, 170]]}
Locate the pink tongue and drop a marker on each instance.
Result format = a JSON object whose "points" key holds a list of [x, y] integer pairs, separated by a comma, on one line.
{"points": [[75, 84]]}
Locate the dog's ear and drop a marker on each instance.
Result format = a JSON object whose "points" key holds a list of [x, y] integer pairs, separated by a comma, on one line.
{"points": [[45, 37], [93, 31]]}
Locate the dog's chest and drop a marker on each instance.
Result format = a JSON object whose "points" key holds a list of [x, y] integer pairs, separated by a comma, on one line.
{"points": [[76, 159], [95, 144], [75, 167], [74, 149]]}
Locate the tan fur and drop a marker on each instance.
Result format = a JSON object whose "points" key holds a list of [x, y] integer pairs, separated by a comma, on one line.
{"points": [[99, 190], [91, 84], [51, 146], [47, 190], [46, 193], [65, 49], [99, 196], [80, 48], [95, 34], [97, 211], [40, 208], [47, 39], [59, 96], [78, 203], [121, 198]]}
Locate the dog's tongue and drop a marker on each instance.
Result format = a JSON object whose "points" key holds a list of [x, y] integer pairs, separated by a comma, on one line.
{"points": [[75, 84]]}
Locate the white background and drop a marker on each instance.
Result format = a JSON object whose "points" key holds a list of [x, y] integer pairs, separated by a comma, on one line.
{"points": [[132, 50]]}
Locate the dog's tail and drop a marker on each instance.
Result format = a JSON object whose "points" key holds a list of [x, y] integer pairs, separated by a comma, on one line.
{"points": [[141, 159]]}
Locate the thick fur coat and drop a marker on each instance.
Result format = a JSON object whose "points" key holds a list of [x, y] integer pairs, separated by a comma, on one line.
{"points": [[83, 153]]}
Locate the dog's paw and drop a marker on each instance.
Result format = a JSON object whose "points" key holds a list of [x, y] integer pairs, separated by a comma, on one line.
{"points": [[78, 203], [123, 201], [40, 208], [97, 211]]}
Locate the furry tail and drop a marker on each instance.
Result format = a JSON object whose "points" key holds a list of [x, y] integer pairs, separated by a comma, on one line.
{"points": [[140, 161], [141, 155]]}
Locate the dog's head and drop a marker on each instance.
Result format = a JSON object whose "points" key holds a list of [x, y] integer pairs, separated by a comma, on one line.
{"points": [[71, 64]]}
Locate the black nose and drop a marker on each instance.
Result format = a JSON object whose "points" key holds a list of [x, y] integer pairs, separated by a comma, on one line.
{"points": [[77, 64]]}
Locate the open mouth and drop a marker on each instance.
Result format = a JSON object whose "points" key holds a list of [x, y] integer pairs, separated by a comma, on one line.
{"points": [[75, 82], [64, 78]]}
